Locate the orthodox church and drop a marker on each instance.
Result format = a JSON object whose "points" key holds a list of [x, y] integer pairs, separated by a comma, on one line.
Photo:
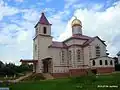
{"points": [[72, 57]]}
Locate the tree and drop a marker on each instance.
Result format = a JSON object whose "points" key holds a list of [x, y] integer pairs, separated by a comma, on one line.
{"points": [[115, 60], [1, 64]]}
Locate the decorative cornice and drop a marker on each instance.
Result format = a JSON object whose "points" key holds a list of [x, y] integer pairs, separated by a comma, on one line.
{"points": [[42, 35]]}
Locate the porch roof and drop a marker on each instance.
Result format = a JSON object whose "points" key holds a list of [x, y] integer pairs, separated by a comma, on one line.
{"points": [[46, 58], [28, 61]]}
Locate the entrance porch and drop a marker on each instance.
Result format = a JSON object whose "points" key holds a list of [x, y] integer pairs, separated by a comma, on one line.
{"points": [[34, 62], [47, 65]]}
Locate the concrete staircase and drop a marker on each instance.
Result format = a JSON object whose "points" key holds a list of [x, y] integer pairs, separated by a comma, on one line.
{"points": [[21, 78], [47, 76]]}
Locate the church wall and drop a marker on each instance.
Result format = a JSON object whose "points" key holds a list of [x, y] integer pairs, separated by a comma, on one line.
{"points": [[58, 65], [44, 42], [39, 66], [76, 62], [35, 53], [102, 48], [86, 56], [105, 70], [42, 50], [77, 68], [73, 60], [35, 56]]}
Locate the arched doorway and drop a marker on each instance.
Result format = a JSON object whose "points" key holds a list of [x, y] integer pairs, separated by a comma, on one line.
{"points": [[47, 66]]}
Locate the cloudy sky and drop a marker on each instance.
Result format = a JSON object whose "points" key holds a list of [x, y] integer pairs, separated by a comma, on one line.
{"points": [[18, 18]]}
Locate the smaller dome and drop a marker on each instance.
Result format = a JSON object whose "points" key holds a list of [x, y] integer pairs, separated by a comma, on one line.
{"points": [[76, 22]]}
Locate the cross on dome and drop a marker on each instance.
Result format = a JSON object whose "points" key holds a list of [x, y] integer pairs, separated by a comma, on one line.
{"points": [[76, 22]]}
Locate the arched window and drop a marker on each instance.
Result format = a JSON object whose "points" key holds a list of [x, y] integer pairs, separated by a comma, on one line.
{"points": [[70, 55], [35, 47], [93, 62], [78, 55], [111, 63], [36, 31], [100, 62], [63, 55], [44, 30], [106, 63], [97, 51]]}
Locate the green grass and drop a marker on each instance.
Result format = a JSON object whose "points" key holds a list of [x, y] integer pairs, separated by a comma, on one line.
{"points": [[71, 83]]}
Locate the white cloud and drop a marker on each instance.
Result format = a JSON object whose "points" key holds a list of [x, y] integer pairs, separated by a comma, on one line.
{"points": [[68, 3], [16, 38], [19, 0], [31, 15], [103, 24], [58, 23], [97, 7], [91, 6], [6, 10]]}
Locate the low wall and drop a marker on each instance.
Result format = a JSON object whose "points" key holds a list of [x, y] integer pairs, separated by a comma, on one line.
{"points": [[77, 72], [59, 75], [105, 69]]}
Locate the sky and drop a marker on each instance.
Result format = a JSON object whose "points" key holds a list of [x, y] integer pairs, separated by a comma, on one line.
{"points": [[18, 18]]}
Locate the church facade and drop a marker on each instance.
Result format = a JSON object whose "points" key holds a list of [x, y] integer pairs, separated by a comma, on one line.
{"points": [[73, 57]]}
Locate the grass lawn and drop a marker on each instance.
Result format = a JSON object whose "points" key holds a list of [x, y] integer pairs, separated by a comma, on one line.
{"points": [[72, 83]]}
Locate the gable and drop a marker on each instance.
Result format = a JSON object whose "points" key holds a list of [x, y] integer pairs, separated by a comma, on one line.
{"points": [[98, 41], [75, 42], [77, 39]]}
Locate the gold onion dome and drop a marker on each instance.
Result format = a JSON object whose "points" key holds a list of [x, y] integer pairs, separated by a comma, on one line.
{"points": [[76, 22]]}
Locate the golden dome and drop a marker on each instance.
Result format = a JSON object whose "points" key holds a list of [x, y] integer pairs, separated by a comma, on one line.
{"points": [[76, 22]]}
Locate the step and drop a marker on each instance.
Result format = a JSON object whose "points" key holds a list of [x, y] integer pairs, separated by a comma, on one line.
{"points": [[47, 76]]}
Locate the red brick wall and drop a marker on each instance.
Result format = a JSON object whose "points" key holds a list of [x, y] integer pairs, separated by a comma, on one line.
{"points": [[105, 69], [59, 75], [80, 72], [77, 72]]}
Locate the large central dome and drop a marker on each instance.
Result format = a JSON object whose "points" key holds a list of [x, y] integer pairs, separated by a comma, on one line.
{"points": [[76, 22]]}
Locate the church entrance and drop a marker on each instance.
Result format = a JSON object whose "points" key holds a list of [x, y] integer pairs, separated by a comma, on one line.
{"points": [[47, 66]]}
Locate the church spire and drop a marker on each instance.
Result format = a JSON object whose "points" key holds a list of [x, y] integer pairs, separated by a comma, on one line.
{"points": [[43, 20]]}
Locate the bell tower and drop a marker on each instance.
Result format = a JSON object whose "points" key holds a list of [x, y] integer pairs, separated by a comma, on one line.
{"points": [[41, 41], [43, 26]]}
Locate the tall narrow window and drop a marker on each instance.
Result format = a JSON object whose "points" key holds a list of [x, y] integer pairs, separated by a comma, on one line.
{"points": [[78, 55], [63, 59], [70, 55], [97, 51], [106, 63], [36, 31], [111, 63], [93, 62], [100, 62], [35, 48], [44, 30]]}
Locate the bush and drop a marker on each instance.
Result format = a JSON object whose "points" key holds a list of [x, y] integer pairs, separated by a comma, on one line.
{"points": [[117, 67], [11, 69]]}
